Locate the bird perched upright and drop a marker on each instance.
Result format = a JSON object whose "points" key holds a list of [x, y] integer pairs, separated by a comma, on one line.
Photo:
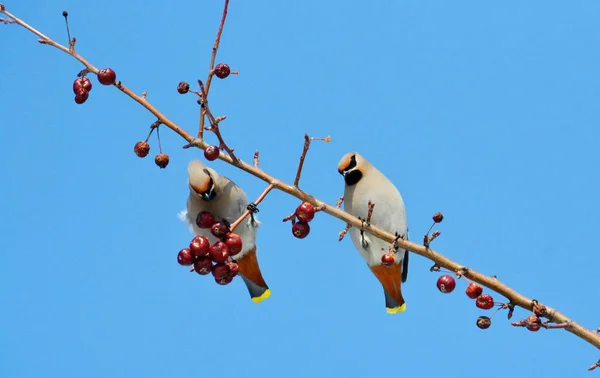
{"points": [[226, 201], [364, 183]]}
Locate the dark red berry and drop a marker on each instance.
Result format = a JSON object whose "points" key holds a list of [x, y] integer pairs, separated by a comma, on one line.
{"points": [[300, 229], [533, 323], [446, 284], [107, 76], [222, 70], [200, 246], [305, 212], [234, 268], [183, 87], [162, 160], [438, 217], [203, 266], [484, 322], [234, 242], [81, 96], [473, 290], [387, 259], [219, 252], [185, 257], [224, 281], [204, 219], [220, 270], [219, 230], [82, 83], [141, 149], [211, 153], [484, 301]]}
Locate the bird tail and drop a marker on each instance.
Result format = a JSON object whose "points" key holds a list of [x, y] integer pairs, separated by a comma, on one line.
{"points": [[252, 276], [390, 278]]}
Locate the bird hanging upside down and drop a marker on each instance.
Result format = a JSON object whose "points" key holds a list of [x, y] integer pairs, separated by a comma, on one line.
{"points": [[227, 202]]}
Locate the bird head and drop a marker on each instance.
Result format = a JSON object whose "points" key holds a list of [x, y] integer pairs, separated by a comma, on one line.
{"points": [[202, 180], [352, 167]]}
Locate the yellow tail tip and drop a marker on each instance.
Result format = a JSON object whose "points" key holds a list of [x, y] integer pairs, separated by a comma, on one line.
{"points": [[396, 310], [262, 297]]}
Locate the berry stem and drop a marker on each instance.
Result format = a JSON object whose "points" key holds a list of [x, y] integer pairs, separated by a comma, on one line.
{"points": [[203, 111], [248, 212]]}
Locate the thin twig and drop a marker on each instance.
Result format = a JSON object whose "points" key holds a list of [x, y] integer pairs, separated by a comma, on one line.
{"points": [[211, 68], [344, 232], [248, 212], [256, 159], [518, 299], [370, 211], [339, 202], [302, 157]]}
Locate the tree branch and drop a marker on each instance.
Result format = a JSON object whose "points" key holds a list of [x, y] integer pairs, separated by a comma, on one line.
{"points": [[492, 283]]}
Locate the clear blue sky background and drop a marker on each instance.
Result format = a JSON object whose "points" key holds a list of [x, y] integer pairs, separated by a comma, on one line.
{"points": [[488, 113]]}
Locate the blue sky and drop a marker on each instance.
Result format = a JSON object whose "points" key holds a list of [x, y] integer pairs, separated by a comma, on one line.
{"points": [[486, 112]]}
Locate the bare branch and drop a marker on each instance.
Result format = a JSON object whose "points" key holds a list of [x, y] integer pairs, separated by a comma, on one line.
{"points": [[212, 66], [251, 208]]}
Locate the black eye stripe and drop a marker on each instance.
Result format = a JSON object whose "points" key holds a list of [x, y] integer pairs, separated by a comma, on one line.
{"points": [[351, 165]]}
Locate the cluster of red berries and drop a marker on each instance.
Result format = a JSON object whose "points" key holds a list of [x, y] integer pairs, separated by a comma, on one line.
{"points": [[216, 258], [303, 214], [446, 284], [82, 85]]}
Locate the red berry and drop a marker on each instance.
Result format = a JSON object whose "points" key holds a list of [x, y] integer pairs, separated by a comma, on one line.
{"points": [[219, 230], [211, 153], [533, 323], [185, 257], [107, 76], [82, 83], [234, 268], [446, 284], [81, 96], [220, 271], [183, 87], [305, 212], [224, 281], [203, 266], [300, 229], [484, 301], [484, 322], [200, 246], [205, 219], [387, 259], [438, 217], [162, 160], [234, 242], [141, 149], [219, 252], [222, 70], [473, 290]]}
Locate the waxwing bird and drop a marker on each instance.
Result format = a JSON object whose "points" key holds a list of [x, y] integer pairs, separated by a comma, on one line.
{"points": [[226, 201], [364, 183]]}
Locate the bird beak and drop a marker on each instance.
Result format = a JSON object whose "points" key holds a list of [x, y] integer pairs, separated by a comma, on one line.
{"points": [[343, 173], [205, 195], [208, 195]]}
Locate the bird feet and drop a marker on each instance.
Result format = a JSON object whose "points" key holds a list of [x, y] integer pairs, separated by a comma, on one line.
{"points": [[253, 210], [363, 240]]}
